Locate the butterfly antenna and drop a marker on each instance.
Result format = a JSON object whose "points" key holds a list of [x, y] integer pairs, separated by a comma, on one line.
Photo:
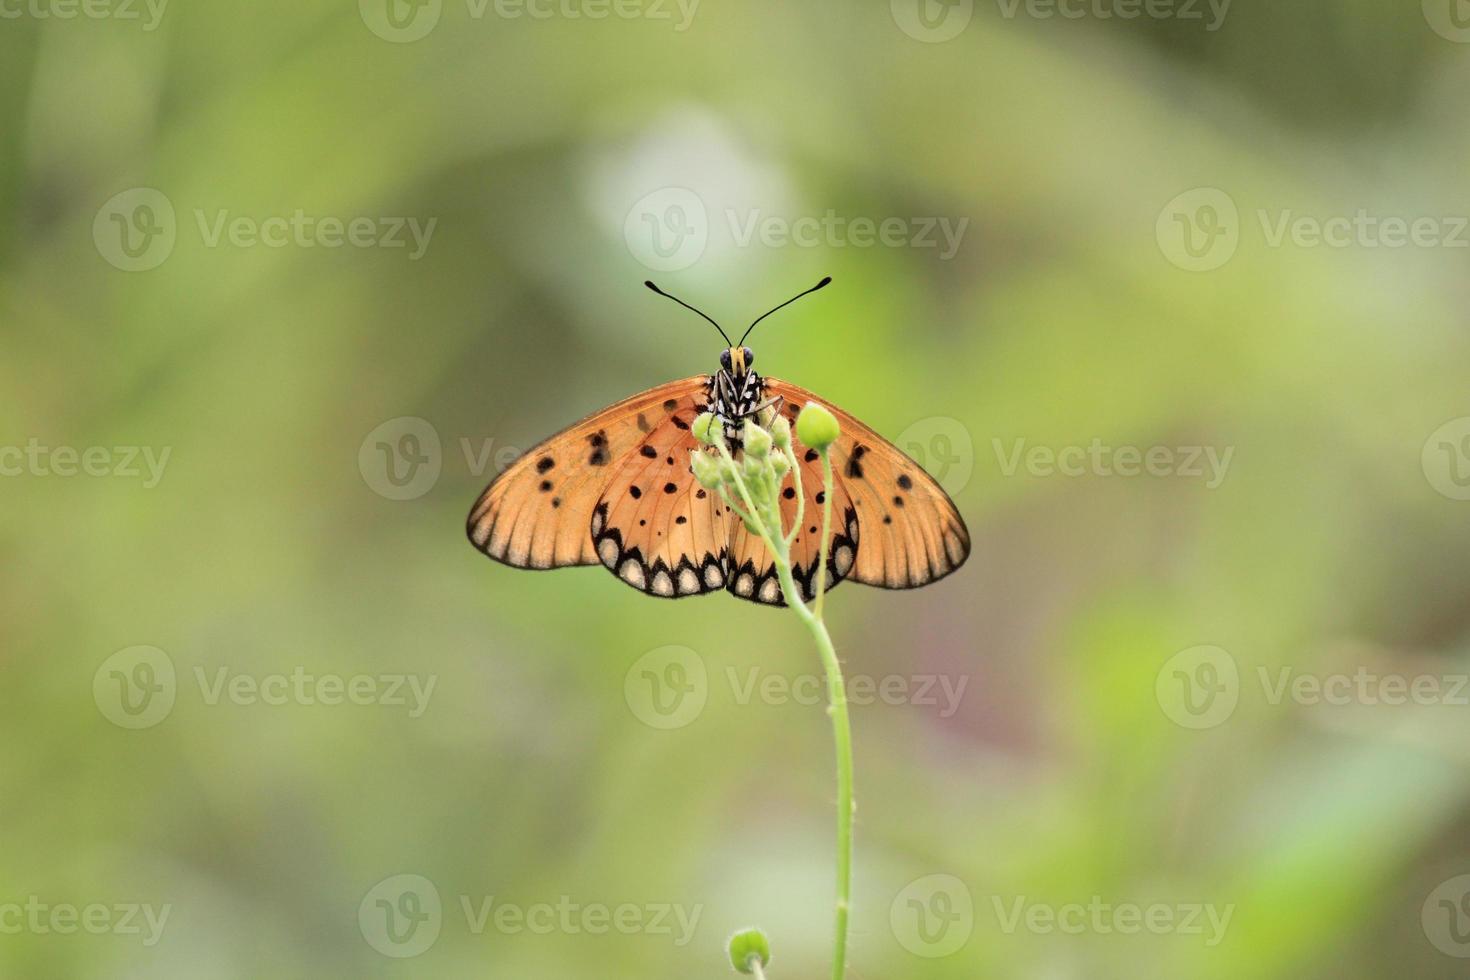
{"points": [[825, 280], [686, 306]]}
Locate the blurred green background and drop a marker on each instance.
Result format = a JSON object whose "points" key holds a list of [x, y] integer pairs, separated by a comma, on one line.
{"points": [[205, 251]]}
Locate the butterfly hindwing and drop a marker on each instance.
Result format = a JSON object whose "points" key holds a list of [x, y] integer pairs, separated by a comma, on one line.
{"points": [[654, 527], [537, 513], [911, 534]]}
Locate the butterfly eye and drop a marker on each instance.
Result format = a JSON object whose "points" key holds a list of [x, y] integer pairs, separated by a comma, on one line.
{"points": [[749, 356], [725, 359]]}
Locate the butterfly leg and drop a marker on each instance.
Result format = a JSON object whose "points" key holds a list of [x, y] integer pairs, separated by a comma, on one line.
{"points": [[778, 401]]}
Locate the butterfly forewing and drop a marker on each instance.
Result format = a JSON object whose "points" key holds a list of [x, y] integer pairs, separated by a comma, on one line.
{"points": [[537, 514]]}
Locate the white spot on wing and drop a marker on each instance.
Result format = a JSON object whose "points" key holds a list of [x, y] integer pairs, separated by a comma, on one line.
{"points": [[842, 559], [632, 573], [770, 591], [688, 582], [607, 550], [662, 584]]}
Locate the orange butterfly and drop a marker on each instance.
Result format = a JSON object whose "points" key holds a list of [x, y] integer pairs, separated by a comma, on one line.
{"points": [[617, 489]]}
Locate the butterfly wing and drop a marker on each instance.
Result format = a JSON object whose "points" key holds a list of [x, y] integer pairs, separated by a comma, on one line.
{"points": [[655, 527], [538, 513], [753, 573], [911, 534]]}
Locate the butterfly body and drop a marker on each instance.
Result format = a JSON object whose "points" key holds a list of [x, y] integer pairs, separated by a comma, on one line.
{"points": [[617, 489]]}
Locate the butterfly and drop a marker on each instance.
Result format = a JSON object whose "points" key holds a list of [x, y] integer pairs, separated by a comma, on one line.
{"points": [[616, 489]]}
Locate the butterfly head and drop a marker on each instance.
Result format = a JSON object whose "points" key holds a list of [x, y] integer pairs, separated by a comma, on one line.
{"points": [[737, 360]]}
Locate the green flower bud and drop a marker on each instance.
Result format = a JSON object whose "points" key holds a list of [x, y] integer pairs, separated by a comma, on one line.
{"points": [[706, 469], [779, 466], [816, 427], [754, 468], [727, 470], [757, 440], [781, 432], [704, 428], [747, 945]]}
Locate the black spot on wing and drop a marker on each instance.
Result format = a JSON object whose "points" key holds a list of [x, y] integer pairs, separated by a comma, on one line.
{"points": [[599, 456]]}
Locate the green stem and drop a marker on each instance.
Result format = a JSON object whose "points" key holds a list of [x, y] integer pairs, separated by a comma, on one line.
{"points": [[837, 708], [768, 522]]}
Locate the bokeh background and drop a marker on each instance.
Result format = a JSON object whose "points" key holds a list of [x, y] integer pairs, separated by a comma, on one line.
{"points": [[1134, 267]]}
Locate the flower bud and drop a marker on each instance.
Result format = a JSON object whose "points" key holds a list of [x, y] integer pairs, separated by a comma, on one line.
{"points": [[779, 466], [747, 945], [706, 470], [757, 440], [754, 468], [704, 428], [781, 432], [816, 427]]}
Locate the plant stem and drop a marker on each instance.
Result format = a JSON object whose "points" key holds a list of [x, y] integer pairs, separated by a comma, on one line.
{"points": [[842, 736], [768, 523]]}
